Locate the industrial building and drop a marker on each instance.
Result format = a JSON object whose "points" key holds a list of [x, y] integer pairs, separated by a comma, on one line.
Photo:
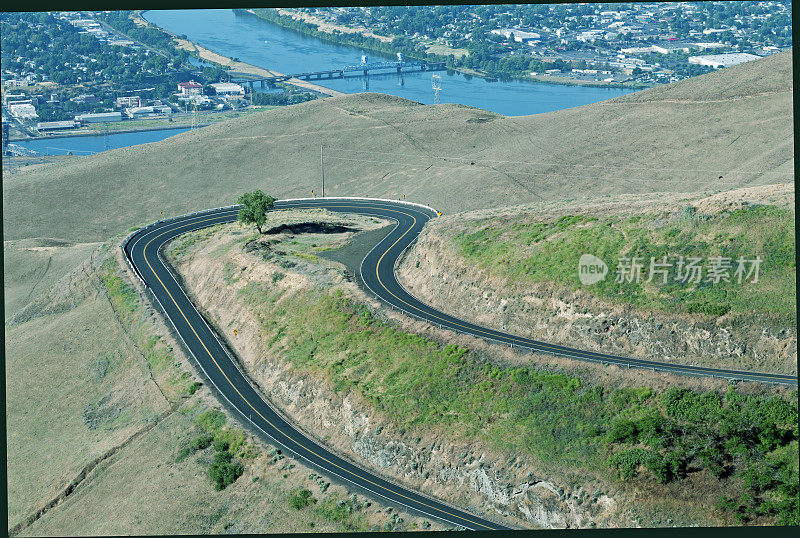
{"points": [[102, 117], [227, 88], [147, 111], [722, 60], [56, 125]]}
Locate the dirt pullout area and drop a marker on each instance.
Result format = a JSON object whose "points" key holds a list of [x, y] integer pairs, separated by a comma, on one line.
{"points": [[220, 267], [436, 272]]}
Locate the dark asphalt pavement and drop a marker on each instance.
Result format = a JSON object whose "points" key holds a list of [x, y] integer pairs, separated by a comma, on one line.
{"points": [[221, 370], [377, 273]]}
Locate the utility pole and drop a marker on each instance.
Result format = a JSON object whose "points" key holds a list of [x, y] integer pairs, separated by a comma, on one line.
{"points": [[322, 162]]}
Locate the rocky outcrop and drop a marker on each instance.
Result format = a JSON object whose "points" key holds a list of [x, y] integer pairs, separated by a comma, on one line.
{"points": [[467, 474], [435, 273]]}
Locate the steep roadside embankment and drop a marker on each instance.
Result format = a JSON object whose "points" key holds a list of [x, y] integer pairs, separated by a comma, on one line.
{"points": [[465, 472], [506, 439], [485, 267]]}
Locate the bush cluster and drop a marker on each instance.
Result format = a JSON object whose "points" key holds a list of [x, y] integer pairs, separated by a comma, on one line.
{"points": [[211, 430]]}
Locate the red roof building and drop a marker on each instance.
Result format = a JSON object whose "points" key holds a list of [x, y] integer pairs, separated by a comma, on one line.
{"points": [[190, 88]]}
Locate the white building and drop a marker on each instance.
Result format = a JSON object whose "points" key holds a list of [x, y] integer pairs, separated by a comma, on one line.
{"points": [[129, 101], [637, 50], [102, 117], [200, 100], [55, 125], [23, 111], [519, 35], [138, 112], [722, 60], [670, 48], [707, 46], [227, 88]]}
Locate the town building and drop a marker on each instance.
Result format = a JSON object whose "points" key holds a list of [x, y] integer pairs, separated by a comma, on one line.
{"points": [[637, 50], [85, 98], [19, 99], [147, 112], [201, 100], [101, 117], [519, 35], [129, 101], [722, 60], [23, 111], [708, 46], [227, 88], [56, 125], [190, 88], [671, 48]]}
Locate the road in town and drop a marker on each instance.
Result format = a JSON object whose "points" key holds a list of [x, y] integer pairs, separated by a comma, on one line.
{"points": [[377, 274]]}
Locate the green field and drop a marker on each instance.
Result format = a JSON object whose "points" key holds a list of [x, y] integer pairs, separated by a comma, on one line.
{"points": [[528, 251]]}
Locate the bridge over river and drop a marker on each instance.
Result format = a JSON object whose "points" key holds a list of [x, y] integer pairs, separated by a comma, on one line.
{"points": [[365, 68]]}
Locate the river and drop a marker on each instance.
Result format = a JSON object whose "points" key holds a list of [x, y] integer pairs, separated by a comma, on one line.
{"points": [[88, 145], [255, 41], [258, 42]]}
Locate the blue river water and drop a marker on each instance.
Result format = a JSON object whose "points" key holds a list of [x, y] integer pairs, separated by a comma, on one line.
{"points": [[253, 40], [87, 145]]}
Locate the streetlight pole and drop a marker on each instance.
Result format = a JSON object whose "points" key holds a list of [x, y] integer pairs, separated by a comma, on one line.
{"points": [[322, 162]]}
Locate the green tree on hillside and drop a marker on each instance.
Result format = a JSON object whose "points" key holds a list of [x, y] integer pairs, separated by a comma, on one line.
{"points": [[253, 208]]}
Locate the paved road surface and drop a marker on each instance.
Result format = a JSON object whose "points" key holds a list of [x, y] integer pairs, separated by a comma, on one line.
{"points": [[377, 273], [143, 250]]}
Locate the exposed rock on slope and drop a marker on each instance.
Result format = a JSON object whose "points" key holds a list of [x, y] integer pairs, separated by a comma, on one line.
{"points": [[466, 473], [434, 271]]}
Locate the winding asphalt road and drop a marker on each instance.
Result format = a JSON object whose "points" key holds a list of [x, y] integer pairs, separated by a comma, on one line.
{"points": [[142, 250]]}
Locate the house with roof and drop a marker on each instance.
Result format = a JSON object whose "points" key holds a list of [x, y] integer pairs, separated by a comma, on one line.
{"points": [[190, 88]]}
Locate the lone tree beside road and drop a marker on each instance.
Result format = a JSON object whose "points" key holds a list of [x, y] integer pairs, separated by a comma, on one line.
{"points": [[254, 207]]}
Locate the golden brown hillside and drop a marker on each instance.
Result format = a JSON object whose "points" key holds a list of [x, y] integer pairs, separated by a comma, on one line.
{"points": [[452, 157]]}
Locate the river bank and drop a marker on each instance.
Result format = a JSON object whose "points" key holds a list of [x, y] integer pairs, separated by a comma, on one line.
{"points": [[301, 48], [328, 31], [231, 64], [89, 132]]}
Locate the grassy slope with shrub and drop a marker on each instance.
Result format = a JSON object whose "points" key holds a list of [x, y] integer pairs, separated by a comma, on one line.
{"points": [[558, 419], [549, 252], [125, 301]]}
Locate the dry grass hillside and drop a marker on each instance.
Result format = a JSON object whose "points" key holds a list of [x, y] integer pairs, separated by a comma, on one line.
{"points": [[85, 385], [678, 138], [99, 396]]}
